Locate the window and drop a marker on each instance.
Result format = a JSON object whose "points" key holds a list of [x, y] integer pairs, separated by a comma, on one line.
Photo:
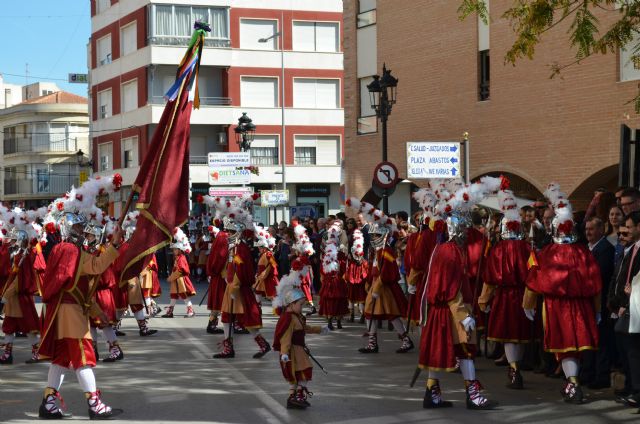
{"points": [[42, 180], [305, 155], [264, 150], [366, 13], [102, 5], [252, 30], [630, 61], [128, 39], [129, 95], [173, 25], [258, 92], [367, 121], [366, 5], [317, 150], [104, 104], [316, 36], [104, 50], [130, 152], [316, 93], [105, 155], [483, 75]]}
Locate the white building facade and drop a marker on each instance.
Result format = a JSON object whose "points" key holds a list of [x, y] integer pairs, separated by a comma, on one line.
{"points": [[134, 51]]}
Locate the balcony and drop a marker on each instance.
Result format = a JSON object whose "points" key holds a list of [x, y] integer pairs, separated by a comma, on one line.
{"points": [[204, 101], [45, 184], [175, 41], [39, 144]]}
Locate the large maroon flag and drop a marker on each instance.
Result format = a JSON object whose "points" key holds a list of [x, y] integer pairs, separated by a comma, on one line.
{"points": [[162, 183]]}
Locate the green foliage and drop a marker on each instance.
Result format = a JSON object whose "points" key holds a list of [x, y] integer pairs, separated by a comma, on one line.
{"points": [[531, 19]]}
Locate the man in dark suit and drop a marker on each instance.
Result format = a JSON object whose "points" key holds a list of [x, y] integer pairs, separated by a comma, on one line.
{"points": [[597, 364]]}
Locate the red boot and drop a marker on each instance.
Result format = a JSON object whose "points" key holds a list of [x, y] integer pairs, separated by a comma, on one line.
{"points": [[190, 313], [7, 356], [264, 346], [227, 350], [34, 354]]}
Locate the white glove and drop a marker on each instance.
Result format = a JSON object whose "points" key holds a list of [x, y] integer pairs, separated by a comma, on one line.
{"points": [[530, 313], [375, 295], [598, 318], [325, 330], [284, 357], [469, 324], [411, 289], [487, 309], [3, 300]]}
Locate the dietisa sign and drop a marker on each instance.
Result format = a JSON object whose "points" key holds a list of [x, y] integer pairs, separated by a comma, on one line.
{"points": [[229, 176]]}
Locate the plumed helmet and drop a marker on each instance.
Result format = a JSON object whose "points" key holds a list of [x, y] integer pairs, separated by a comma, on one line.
{"points": [[72, 227], [293, 295], [18, 238], [457, 225], [98, 233]]}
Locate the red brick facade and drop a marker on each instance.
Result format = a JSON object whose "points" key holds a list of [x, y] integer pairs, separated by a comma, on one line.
{"points": [[564, 129]]}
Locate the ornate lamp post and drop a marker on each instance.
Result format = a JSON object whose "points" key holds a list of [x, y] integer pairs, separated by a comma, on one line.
{"points": [[245, 132]]}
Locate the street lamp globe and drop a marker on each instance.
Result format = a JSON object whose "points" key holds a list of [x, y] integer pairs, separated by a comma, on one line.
{"points": [[245, 132]]}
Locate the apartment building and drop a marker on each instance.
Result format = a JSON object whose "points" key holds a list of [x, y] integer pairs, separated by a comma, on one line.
{"points": [[134, 50]]}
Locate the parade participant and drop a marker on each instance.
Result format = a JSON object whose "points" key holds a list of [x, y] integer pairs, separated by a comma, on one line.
{"points": [[24, 281], [5, 263], [302, 250], [267, 276], [385, 299], [150, 279], [239, 303], [357, 269], [333, 294], [448, 333], [94, 237], [505, 272], [202, 251], [418, 253], [132, 288], [71, 279], [216, 271], [179, 280], [568, 277], [289, 339]]}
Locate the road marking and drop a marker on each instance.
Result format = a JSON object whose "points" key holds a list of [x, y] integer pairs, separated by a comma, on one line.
{"points": [[273, 406]]}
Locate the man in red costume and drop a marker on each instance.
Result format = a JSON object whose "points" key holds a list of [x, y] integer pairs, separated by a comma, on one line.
{"points": [[216, 271], [505, 274], [568, 277], [71, 280], [23, 283], [385, 299], [239, 303]]}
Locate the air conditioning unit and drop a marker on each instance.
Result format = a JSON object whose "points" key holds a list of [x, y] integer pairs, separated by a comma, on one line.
{"points": [[222, 138]]}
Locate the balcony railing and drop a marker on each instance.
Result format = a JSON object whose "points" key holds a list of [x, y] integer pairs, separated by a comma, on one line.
{"points": [[43, 184], [171, 40], [39, 144], [204, 101], [198, 160]]}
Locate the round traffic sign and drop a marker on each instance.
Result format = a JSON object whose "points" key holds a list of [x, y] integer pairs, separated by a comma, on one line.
{"points": [[385, 175]]}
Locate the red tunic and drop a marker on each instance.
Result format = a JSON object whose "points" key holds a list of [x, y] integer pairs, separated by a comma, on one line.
{"points": [[506, 269], [156, 289], [298, 263], [385, 275], [271, 280], [356, 279], [447, 279], [475, 247], [28, 278], [60, 279], [104, 298], [216, 264], [120, 293], [5, 265], [568, 277], [241, 267], [333, 295], [182, 287], [417, 256]]}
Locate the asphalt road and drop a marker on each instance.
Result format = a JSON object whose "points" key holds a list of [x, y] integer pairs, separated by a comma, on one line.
{"points": [[171, 377]]}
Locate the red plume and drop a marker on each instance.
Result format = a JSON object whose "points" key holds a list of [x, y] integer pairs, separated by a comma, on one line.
{"points": [[79, 197], [117, 181], [200, 198], [255, 196], [50, 227], [505, 183]]}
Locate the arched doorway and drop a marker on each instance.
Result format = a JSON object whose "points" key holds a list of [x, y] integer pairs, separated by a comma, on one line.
{"points": [[606, 178]]}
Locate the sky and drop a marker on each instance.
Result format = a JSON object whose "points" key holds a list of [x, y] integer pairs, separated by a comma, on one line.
{"points": [[50, 36]]}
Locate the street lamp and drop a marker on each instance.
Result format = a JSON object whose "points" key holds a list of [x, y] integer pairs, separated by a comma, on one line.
{"points": [[245, 132], [283, 142], [80, 159], [382, 92]]}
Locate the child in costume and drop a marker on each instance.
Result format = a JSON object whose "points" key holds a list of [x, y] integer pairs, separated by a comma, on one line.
{"points": [[181, 287], [289, 340]]}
